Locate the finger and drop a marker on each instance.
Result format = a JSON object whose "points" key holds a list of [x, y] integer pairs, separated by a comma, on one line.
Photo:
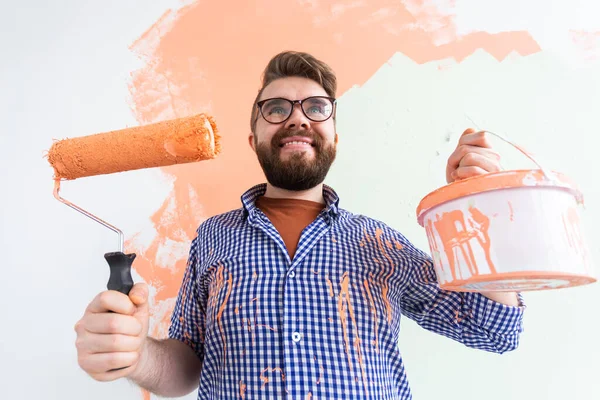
{"points": [[139, 294], [112, 375], [461, 151], [111, 300], [475, 138], [112, 323], [468, 172], [478, 160], [107, 343], [101, 363]]}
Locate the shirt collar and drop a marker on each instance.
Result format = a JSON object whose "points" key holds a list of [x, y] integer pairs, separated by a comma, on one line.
{"points": [[249, 197]]}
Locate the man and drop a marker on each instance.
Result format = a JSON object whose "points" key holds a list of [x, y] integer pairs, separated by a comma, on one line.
{"points": [[291, 296]]}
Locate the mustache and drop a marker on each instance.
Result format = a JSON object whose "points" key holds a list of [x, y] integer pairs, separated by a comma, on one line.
{"points": [[286, 133]]}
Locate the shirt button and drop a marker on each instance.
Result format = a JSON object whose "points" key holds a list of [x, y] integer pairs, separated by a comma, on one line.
{"points": [[296, 336], [292, 274]]}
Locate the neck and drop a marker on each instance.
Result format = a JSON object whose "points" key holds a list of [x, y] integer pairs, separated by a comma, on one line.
{"points": [[313, 194]]}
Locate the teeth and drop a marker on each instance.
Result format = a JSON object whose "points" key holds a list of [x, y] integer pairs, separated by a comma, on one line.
{"points": [[308, 144]]}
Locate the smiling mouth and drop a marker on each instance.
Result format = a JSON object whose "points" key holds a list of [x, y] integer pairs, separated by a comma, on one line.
{"points": [[296, 143]]}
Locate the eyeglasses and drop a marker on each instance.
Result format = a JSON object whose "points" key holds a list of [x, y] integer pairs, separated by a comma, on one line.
{"points": [[278, 110]]}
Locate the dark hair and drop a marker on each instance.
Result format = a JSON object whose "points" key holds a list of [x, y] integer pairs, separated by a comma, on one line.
{"points": [[294, 63]]}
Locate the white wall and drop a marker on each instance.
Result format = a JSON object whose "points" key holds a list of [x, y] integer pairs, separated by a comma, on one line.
{"points": [[64, 73]]}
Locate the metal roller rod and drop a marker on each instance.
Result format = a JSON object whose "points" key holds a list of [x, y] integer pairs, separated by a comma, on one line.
{"points": [[89, 215]]}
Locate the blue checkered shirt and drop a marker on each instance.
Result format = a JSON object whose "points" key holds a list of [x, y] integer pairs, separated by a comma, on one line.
{"points": [[324, 325]]}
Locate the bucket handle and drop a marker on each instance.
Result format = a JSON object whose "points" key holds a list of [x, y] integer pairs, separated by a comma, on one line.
{"points": [[547, 174]]}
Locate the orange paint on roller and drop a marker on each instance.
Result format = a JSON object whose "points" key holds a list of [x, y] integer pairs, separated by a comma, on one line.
{"points": [[161, 144]]}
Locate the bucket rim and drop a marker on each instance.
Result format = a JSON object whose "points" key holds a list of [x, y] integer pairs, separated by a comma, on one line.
{"points": [[507, 179]]}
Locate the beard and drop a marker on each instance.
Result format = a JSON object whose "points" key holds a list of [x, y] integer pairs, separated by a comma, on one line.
{"points": [[297, 172]]}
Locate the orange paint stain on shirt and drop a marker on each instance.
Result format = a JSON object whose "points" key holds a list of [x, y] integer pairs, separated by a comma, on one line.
{"points": [[265, 378], [242, 390], [374, 311], [386, 302], [344, 300], [256, 313], [378, 236], [214, 289], [342, 313], [219, 317], [458, 318], [253, 324], [321, 371], [366, 235]]}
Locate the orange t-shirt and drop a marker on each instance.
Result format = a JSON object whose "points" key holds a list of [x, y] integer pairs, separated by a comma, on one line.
{"points": [[290, 217]]}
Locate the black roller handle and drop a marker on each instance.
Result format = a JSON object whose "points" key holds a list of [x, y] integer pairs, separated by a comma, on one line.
{"points": [[120, 275], [120, 271]]}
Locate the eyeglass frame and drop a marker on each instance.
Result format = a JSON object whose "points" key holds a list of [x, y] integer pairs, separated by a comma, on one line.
{"points": [[260, 103]]}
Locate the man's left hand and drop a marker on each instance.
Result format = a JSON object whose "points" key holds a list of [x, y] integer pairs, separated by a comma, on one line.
{"points": [[473, 156]]}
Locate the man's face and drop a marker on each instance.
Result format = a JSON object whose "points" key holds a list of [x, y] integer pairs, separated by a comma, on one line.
{"points": [[295, 154]]}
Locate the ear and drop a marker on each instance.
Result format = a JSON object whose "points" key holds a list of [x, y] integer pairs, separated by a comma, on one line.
{"points": [[251, 141], [337, 137]]}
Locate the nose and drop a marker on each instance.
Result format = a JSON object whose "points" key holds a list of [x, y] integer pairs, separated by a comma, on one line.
{"points": [[297, 120]]}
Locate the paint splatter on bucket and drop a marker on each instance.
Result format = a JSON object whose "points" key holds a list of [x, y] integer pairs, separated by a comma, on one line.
{"points": [[517, 230]]}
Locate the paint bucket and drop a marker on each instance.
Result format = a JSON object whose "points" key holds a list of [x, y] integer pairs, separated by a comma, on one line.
{"points": [[516, 230]]}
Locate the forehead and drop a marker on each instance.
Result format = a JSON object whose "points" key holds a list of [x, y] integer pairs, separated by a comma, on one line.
{"points": [[293, 88]]}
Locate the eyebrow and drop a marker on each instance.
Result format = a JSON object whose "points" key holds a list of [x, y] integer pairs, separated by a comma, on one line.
{"points": [[275, 100], [316, 98]]}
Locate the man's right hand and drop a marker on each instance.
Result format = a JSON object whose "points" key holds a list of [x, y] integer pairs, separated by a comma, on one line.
{"points": [[112, 332]]}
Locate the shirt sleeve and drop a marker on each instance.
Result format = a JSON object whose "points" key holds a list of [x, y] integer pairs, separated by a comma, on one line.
{"points": [[187, 320], [467, 317]]}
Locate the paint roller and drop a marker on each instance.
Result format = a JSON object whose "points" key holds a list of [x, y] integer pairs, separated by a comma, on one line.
{"points": [[161, 144]]}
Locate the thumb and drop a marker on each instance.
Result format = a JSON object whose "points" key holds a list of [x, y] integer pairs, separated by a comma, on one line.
{"points": [[468, 131], [139, 294]]}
